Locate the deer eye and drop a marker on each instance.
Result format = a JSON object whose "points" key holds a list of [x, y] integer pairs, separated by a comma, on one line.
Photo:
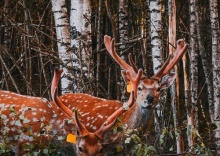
{"points": [[139, 89], [80, 149], [158, 89]]}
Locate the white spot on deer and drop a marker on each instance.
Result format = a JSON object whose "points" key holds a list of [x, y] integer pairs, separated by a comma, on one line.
{"points": [[94, 128], [35, 120], [85, 105], [58, 121], [86, 101], [100, 116], [54, 115], [88, 118], [87, 124], [85, 114], [42, 119], [12, 122], [34, 113], [40, 109]]}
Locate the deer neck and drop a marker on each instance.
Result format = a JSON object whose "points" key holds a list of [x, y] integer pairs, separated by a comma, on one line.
{"points": [[137, 116]]}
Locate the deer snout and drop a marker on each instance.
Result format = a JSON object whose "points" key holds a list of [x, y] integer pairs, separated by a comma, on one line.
{"points": [[150, 98], [148, 102]]}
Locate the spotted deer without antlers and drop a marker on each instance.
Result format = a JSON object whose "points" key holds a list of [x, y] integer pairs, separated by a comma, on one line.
{"points": [[97, 116]]}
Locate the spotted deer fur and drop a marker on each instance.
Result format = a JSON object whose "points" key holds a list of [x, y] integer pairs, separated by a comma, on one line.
{"points": [[27, 121], [93, 118]]}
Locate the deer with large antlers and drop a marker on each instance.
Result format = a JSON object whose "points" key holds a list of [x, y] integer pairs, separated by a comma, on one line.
{"points": [[148, 88], [30, 121], [147, 92], [94, 121]]}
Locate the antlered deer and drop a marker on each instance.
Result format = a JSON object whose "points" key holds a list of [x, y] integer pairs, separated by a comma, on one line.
{"points": [[148, 88], [148, 92], [91, 129], [27, 121], [96, 110]]}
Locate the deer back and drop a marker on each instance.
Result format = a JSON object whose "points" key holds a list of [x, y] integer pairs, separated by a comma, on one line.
{"points": [[27, 120]]}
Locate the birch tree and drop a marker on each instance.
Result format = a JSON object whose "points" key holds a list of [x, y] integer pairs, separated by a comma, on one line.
{"points": [[123, 34], [156, 42], [63, 42], [216, 67], [81, 44]]}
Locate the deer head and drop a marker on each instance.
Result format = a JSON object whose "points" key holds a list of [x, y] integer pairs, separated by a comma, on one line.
{"points": [[90, 141], [149, 88]]}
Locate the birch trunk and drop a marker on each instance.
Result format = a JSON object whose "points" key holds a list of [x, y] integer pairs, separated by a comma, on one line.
{"points": [[123, 31], [216, 67], [156, 42], [193, 113], [63, 42], [81, 44], [149, 64]]}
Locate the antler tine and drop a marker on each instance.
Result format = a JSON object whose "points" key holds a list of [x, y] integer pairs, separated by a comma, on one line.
{"points": [[111, 120], [57, 73], [132, 63], [110, 46], [81, 128], [180, 50], [56, 77]]}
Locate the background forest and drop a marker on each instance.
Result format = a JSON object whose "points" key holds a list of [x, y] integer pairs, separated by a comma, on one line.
{"points": [[38, 35]]}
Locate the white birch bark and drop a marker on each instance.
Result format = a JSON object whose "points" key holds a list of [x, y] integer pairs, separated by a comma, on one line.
{"points": [[81, 44], [156, 27], [63, 41], [216, 67], [123, 37], [192, 118]]}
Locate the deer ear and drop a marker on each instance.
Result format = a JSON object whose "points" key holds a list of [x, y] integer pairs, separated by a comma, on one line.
{"points": [[167, 80]]}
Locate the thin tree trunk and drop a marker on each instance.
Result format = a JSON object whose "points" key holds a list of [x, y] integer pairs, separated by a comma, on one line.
{"points": [[99, 34], [123, 33], [63, 42], [156, 42], [81, 40], [149, 65], [193, 118], [205, 64], [216, 67], [175, 86], [29, 72]]}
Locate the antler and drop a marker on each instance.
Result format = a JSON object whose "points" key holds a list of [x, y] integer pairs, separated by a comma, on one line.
{"points": [[111, 120], [110, 46], [56, 77], [168, 65], [81, 128]]}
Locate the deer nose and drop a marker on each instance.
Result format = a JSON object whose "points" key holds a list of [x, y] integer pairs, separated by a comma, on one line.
{"points": [[150, 98]]}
